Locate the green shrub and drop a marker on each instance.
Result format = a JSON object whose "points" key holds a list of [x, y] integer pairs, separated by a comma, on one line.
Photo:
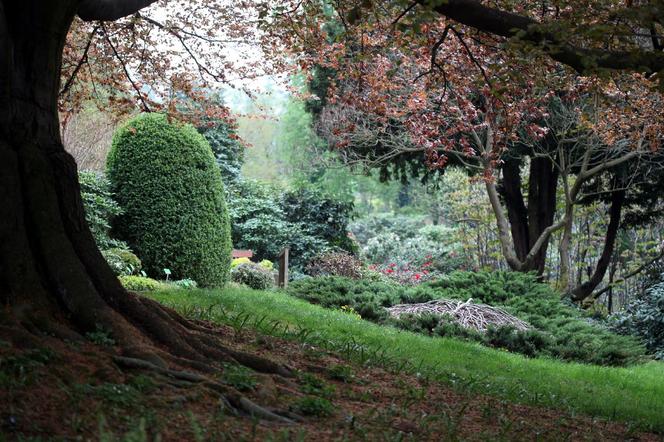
{"points": [[100, 208], [560, 331], [122, 261], [237, 261], [165, 179], [267, 264], [140, 283], [253, 275], [644, 318], [266, 219]]}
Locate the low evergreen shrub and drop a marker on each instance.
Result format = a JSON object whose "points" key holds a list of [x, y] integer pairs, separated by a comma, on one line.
{"points": [[559, 331], [140, 283], [122, 261]]}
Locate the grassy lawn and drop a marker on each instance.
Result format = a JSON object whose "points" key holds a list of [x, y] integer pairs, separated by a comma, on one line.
{"points": [[634, 395]]}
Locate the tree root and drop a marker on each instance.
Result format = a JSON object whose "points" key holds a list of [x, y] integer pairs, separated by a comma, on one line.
{"points": [[234, 400]]}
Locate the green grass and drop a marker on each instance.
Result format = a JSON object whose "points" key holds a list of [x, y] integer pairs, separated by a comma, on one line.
{"points": [[633, 394]]}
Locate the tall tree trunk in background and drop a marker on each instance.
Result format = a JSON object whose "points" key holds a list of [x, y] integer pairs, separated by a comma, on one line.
{"points": [[528, 222], [542, 186], [584, 291]]}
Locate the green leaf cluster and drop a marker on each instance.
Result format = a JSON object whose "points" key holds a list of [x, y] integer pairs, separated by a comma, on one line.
{"points": [[167, 182]]}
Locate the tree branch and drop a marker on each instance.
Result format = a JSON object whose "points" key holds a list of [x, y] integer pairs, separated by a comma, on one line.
{"points": [[506, 24], [110, 10], [81, 62]]}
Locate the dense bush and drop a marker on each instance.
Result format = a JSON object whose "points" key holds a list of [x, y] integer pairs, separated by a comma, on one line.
{"points": [[122, 261], [409, 243], [560, 331], [140, 283], [100, 208], [644, 318], [266, 219], [226, 147], [335, 264], [253, 275], [165, 179], [324, 217]]}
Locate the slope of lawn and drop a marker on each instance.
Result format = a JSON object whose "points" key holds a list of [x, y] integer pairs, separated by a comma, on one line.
{"points": [[633, 394]]}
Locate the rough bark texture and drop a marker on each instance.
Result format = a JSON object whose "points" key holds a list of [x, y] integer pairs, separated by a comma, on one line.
{"points": [[53, 278]]}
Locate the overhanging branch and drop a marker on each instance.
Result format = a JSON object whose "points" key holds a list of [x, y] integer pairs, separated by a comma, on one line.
{"points": [[110, 10], [506, 24]]}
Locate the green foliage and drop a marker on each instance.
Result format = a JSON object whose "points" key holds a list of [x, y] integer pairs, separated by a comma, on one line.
{"points": [[140, 283], [340, 372], [101, 337], [187, 284], [561, 331], [315, 386], [313, 406], [122, 261], [408, 240], [267, 264], [165, 179], [239, 377], [644, 318], [321, 216], [367, 298], [253, 275], [100, 207], [237, 261], [226, 147], [266, 219]]}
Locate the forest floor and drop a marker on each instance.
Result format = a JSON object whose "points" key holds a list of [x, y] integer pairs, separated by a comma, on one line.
{"points": [[75, 392]]}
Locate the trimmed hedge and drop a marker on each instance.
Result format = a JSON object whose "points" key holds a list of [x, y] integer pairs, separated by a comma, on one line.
{"points": [[166, 180]]}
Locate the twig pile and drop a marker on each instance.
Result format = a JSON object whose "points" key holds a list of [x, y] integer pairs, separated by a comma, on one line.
{"points": [[474, 316]]}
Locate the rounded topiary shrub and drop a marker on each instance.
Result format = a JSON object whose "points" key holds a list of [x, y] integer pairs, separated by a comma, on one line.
{"points": [[165, 178]]}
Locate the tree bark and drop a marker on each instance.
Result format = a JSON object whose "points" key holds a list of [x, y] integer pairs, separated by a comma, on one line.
{"points": [[586, 289], [53, 278]]}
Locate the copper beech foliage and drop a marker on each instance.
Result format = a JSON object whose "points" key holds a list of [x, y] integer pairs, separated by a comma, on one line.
{"points": [[166, 57], [455, 88]]}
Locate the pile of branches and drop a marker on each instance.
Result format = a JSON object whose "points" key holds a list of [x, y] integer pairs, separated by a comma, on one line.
{"points": [[474, 316]]}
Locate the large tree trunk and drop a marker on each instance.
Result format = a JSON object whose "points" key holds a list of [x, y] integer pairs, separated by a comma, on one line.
{"points": [[527, 223], [52, 276]]}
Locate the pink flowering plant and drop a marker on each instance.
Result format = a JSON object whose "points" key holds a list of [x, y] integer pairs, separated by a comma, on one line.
{"points": [[406, 273]]}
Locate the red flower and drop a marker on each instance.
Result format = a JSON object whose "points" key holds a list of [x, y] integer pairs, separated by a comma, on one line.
{"points": [[389, 271], [417, 276]]}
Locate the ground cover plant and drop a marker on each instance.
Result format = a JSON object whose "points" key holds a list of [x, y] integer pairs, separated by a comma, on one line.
{"points": [[559, 331], [630, 394]]}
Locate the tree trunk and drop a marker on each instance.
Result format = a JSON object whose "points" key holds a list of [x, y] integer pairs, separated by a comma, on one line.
{"points": [[527, 223], [586, 289], [517, 213], [542, 185], [53, 278]]}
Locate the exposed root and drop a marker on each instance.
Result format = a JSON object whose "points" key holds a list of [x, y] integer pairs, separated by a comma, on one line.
{"points": [[231, 397]]}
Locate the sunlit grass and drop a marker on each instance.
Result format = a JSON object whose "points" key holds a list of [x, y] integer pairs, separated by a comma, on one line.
{"points": [[632, 394]]}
